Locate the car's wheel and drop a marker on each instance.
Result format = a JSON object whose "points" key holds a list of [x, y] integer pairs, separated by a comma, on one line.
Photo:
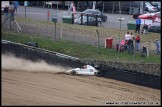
{"points": [[105, 20], [98, 74], [73, 72]]}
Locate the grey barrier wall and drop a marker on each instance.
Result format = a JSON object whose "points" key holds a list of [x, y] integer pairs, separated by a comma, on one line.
{"points": [[126, 75], [36, 54]]}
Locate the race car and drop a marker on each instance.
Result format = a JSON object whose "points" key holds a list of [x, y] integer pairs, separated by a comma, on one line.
{"points": [[85, 70]]}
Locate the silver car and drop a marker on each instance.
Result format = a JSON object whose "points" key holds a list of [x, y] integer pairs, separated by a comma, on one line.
{"points": [[91, 20]]}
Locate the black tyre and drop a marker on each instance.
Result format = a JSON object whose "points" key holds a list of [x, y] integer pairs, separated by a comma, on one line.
{"points": [[98, 74], [105, 20], [73, 72]]}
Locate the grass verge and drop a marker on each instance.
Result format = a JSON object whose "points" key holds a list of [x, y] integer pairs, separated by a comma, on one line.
{"points": [[82, 51]]}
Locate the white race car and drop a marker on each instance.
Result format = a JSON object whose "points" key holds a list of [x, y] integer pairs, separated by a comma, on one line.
{"points": [[85, 70]]}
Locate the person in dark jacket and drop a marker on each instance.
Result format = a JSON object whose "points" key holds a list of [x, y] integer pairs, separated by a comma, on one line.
{"points": [[6, 11], [138, 24], [130, 46], [12, 12], [145, 29], [137, 43]]}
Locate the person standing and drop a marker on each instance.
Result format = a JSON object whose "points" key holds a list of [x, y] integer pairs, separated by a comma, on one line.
{"points": [[130, 46], [145, 29], [6, 11], [100, 22], [127, 37], [138, 24], [137, 42], [16, 5], [157, 43], [12, 11], [132, 36]]}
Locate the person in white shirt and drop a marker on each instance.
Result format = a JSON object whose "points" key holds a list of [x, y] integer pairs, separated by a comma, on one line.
{"points": [[127, 36]]}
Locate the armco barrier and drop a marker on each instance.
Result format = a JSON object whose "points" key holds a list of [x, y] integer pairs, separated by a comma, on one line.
{"points": [[34, 54]]}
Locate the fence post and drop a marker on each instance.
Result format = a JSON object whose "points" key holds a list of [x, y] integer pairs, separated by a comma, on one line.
{"points": [[61, 32], [87, 19], [55, 30], [96, 21], [147, 49], [10, 21], [81, 19], [97, 39], [72, 18]]}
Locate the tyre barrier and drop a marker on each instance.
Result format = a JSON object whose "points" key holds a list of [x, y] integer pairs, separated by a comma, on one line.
{"points": [[130, 76], [35, 54]]}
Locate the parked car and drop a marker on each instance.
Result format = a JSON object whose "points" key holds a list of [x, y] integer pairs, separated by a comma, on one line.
{"points": [[149, 7], [91, 20], [159, 7], [96, 12], [110, 6], [155, 27], [156, 4]]}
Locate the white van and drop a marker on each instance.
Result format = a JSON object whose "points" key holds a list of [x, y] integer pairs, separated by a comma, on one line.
{"points": [[150, 8]]}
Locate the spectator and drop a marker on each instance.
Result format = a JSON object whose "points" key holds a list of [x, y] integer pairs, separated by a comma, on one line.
{"points": [[132, 36], [145, 29], [12, 11], [137, 43], [130, 46], [122, 45], [6, 11], [16, 5], [138, 24], [127, 36], [125, 45], [100, 22], [157, 43]]}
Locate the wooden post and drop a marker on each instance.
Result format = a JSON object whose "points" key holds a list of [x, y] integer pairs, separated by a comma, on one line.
{"points": [[25, 11], [97, 39], [147, 49], [10, 21], [61, 31]]}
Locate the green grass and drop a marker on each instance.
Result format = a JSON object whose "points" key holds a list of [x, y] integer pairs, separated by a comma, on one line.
{"points": [[104, 32], [82, 51]]}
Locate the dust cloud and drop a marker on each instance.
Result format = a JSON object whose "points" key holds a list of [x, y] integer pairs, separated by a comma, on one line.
{"points": [[10, 62]]}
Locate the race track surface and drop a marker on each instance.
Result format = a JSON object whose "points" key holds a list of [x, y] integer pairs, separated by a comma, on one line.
{"points": [[28, 83]]}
